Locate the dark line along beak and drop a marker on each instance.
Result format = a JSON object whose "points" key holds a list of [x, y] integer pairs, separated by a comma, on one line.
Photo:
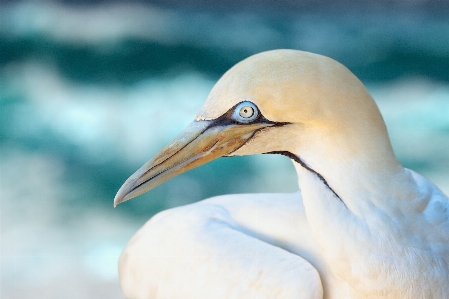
{"points": [[199, 143]]}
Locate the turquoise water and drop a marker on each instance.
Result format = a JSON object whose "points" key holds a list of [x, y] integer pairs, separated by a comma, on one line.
{"points": [[90, 93]]}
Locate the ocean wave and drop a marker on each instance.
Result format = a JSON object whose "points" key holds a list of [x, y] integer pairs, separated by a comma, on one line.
{"points": [[380, 45]]}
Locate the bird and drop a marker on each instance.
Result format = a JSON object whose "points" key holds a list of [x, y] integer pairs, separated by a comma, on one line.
{"points": [[360, 226]]}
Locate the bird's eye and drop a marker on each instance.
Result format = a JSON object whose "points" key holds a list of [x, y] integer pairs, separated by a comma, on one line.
{"points": [[245, 112]]}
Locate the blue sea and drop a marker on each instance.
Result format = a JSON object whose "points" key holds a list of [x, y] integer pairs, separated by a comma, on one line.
{"points": [[88, 93]]}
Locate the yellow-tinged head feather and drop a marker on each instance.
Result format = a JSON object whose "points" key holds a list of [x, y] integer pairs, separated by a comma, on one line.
{"points": [[304, 88], [291, 86]]}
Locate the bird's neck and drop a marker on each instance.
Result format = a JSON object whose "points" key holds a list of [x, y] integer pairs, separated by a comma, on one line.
{"points": [[360, 170], [364, 200]]}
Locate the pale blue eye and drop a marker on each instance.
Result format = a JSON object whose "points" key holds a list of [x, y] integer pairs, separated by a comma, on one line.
{"points": [[245, 112]]}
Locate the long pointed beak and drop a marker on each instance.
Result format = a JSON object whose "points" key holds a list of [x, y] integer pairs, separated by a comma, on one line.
{"points": [[199, 143]]}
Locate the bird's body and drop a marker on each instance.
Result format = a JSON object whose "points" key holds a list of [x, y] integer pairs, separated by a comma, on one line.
{"points": [[362, 226]]}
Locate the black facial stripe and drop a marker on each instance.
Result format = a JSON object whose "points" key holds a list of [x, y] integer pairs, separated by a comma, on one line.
{"points": [[226, 119], [298, 160]]}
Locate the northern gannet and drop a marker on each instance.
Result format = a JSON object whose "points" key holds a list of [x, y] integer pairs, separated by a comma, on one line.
{"points": [[362, 226]]}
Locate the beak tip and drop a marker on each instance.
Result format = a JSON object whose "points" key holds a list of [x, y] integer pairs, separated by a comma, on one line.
{"points": [[116, 202], [125, 191], [121, 196]]}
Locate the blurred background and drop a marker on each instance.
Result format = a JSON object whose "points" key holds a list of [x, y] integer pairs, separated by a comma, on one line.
{"points": [[90, 90]]}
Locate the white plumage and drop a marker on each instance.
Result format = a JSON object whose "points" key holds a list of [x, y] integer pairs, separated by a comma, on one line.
{"points": [[361, 227]]}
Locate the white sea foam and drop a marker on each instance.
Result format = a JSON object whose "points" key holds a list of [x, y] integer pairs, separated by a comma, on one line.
{"points": [[105, 122]]}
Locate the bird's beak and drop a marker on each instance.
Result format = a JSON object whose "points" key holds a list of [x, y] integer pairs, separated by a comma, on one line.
{"points": [[199, 143]]}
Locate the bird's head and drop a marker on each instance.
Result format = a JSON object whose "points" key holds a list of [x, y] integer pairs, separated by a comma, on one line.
{"points": [[276, 101]]}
